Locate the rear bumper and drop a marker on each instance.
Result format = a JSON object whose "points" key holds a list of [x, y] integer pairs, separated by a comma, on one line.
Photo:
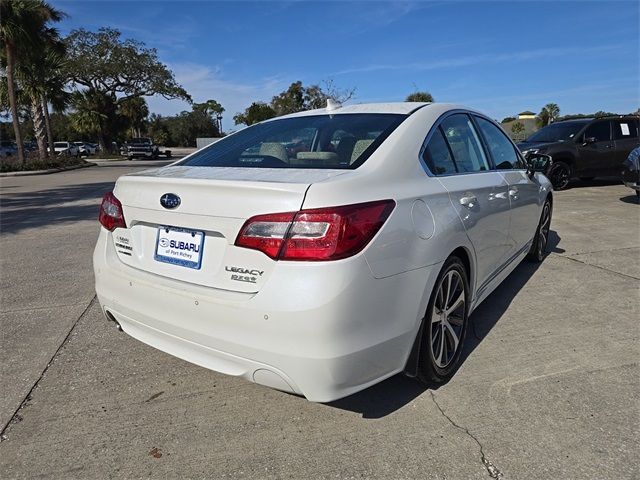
{"points": [[320, 330]]}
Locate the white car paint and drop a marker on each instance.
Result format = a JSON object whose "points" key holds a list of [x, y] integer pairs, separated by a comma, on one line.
{"points": [[67, 148], [322, 329]]}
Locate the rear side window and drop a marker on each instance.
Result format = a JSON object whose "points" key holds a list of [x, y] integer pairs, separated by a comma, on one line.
{"points": [[625, 128], [437, 155], [342, 141], [464, 144], [502, 150], [598, 130]]}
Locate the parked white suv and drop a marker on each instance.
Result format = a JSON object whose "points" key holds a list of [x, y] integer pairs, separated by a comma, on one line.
{"points": [[66, 148], [322, 252]]}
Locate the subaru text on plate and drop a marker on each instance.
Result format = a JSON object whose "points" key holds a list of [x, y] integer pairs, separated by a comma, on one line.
{"points": [[322, 252]]}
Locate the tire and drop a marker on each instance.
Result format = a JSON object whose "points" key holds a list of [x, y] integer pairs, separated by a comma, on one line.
{"points": [[436, 363], [538, 250], [560, 174]]}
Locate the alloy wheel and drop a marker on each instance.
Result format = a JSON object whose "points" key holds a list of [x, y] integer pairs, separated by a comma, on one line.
{"points": [[560, 176], [543, 233], [447, 319]]}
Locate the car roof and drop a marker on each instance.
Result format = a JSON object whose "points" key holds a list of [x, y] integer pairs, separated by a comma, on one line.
{"points": [[402, 108]]}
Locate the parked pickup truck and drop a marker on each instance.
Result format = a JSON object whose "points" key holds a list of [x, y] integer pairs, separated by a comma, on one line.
{"points": [[142, 148]]}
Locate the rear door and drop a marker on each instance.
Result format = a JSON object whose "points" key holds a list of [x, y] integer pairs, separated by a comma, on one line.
{"points": [[625, 138], [596, 150], [479, 195], [524, 194]]}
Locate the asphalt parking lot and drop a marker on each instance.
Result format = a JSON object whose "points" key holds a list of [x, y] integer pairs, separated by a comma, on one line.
{"points": [[549, 388]]}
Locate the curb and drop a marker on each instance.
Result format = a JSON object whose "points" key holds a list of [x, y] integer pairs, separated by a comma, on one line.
{"points": [[45, 172]]}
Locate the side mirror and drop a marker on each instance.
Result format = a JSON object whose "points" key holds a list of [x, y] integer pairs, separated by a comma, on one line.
{"points": [[538, 162], [589, 140]]}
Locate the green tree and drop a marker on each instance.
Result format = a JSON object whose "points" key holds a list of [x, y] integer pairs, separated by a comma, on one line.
{"points": [[38, 73], [419, 97], [136, 111], [22, 25], [158, 130], [91, 109], [297, 97], [256, 112], [508, 119], [549, 114], [212, 109], [117, 70], [517, 129]]}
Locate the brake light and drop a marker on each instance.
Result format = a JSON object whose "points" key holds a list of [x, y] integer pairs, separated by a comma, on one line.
{"points": [[111, 214], [318, 234]]}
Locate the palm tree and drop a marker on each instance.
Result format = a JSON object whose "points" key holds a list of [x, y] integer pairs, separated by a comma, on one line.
{"points": [[23, 24], [86, 117], [549, 113], [135, 110], [42, 76]]}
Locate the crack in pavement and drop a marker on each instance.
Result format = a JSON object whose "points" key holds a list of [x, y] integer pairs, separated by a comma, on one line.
{"points": [[601, 251], [491, 469], [595, 266], [48, 307], [16, 417]]}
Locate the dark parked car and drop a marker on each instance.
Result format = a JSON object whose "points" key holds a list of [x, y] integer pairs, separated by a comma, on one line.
{"points": [[585, 148]]}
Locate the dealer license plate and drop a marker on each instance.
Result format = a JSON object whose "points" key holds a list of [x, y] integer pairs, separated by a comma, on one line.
{"points": [[179, 246]]}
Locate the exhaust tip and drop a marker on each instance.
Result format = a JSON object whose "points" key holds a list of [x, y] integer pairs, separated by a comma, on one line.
{"points": [[111, 318]]}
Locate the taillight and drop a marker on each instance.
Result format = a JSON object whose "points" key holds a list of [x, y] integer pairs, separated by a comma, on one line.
{"points": [[111, 214], [318, 234]]}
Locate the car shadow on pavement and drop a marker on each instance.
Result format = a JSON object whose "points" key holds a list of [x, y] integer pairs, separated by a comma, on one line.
{"points": [[68, 204], [594, 182], [394, 393], [631, 199]]}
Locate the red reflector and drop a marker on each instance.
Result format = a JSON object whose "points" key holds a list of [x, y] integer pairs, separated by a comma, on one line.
{"points": [[111, 214], [314, 235]]}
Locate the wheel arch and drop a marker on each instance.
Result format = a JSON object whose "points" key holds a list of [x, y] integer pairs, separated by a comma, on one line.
{"points": [[465, 255]]}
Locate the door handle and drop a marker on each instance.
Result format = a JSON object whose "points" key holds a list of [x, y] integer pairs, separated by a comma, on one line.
{"points": [[513, 193], [468, 201], [499, 195]]}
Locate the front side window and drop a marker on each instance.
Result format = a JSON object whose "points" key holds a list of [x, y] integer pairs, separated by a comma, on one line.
{"points": [[625, 128], [342, 141], [464, 144], [502, 150], [598, 130]]}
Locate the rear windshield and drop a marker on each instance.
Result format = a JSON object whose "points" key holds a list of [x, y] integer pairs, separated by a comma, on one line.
{"points": [[321, 141]]}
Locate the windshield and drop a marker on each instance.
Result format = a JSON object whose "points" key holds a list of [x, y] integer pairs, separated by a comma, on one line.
{"points": [[556, 132], [140, 140], [320, 141], [60, 144]]}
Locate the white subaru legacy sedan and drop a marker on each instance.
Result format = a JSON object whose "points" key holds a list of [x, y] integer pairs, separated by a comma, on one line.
{"points": [[321, 252]]}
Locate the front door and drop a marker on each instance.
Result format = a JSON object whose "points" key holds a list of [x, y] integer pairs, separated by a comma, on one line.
{"points": [[524, 194]]}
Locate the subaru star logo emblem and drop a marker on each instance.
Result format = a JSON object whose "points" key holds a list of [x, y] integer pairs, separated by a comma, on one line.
{"points": [[170, 200]]}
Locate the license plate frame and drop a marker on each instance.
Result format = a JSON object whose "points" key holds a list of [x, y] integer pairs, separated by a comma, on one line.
{"points": [[176, 254]]}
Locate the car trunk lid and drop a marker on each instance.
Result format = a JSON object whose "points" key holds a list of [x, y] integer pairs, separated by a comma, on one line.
{"points": [[214, 204]]}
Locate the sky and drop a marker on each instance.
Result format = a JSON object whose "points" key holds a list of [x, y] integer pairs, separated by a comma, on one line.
{"points": [[499, 57]]}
